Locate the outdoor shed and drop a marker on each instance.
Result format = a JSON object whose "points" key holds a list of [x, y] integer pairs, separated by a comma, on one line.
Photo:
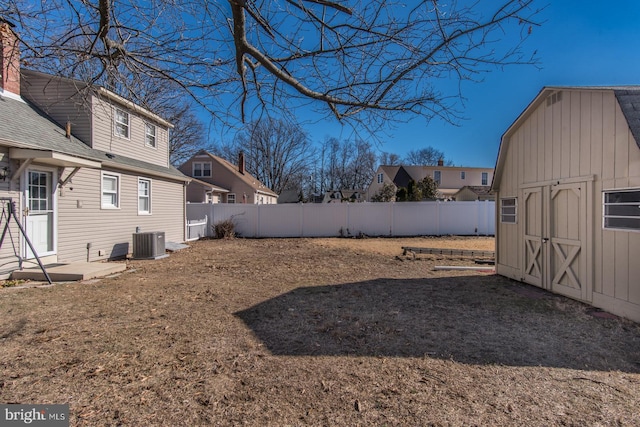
{"points": [[567, 186]]}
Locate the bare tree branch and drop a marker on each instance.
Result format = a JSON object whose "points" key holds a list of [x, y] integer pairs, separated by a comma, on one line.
{"points": [[364, 62]]}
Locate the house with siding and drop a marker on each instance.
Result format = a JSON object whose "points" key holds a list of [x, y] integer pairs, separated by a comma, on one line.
{"points": [[227, 183], [567, 186], [343, 196], [471, 193], [450, 179], [84, 168]]}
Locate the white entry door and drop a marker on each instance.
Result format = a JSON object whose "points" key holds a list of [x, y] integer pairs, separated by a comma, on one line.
{"points": [[40, 212]]}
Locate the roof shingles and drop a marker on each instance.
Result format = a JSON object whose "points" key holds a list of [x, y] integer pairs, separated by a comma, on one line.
{"points": [[24, 125]]}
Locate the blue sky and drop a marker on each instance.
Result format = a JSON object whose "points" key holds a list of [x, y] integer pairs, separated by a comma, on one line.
{"points": [[583, 43]]}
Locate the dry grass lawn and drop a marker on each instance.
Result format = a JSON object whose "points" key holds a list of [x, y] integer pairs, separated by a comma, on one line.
{"points": [[321, 332]]}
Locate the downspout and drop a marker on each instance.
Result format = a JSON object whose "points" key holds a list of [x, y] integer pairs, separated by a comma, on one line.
{"points": [[184, 213]]}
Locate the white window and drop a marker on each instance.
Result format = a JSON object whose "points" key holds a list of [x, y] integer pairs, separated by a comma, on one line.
{"points": [[437, 176], [121, 123], [380, 178], [508, 210], [485, 178], [144, 196], [622, 209], [463, 175], [150, 135], [231, 198], [202, 169], [110, 191]]}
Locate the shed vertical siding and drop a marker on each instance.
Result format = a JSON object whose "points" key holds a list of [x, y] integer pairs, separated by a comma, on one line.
{"points": [[583, 135], [83, 220]]}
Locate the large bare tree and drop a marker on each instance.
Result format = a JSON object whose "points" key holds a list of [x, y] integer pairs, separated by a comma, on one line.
{"points": [[365, 62], [427, 156], [277, 152], [345, 165]]}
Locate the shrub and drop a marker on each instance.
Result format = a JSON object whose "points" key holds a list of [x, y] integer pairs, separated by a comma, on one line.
{"points": [[224, 229]]}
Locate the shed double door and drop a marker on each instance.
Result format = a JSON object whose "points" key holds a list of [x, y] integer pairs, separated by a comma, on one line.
{"points": [[555, 253]]}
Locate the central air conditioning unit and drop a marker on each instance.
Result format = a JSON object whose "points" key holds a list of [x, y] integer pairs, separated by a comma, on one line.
{"points": [[149, 245]]}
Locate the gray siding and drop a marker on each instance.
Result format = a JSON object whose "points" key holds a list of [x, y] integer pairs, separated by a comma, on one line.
{"points": [[11, 246], [82, 220], [59, 100], [134, 147]]}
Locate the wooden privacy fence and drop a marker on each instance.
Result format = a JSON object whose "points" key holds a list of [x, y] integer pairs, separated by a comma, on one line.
{"points": [[351, 219]]}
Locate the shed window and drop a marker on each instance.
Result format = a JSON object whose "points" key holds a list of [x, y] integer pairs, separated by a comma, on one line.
{"points": [[508, 210], [622, 209]]}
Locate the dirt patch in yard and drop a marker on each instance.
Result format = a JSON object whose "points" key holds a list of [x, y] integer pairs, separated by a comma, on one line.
{"points": [[316, 332]]}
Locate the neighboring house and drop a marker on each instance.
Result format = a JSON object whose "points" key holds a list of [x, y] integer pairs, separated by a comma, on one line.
{"points": [[202, 192], [450, 179], [471, 193], [235, 183], [84, 171], [289, 196], [343, 196], [567, 183]]}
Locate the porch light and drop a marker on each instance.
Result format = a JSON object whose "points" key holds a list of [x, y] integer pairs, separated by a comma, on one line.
{"points": [[4, 173]]}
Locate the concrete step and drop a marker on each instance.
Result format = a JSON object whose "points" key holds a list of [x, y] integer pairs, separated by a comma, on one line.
{"points": [[71, 271]]}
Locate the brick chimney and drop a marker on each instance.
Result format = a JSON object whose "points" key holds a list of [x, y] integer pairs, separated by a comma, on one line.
{"points": [[9, 59], [440, 162], [241, 162]]}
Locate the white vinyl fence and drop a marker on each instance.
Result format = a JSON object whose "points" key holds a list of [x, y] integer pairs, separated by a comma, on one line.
{"points": [[197, 228], [351, 219]]}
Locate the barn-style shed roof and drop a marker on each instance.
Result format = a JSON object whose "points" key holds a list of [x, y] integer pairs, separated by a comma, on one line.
{"points": [[628, 98]]}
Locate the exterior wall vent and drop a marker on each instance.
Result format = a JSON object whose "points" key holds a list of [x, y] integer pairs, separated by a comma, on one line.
{"points": [[149, 245], [553, 98]]}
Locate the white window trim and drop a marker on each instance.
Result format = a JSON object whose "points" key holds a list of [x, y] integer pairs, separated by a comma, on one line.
{"points": [[233, 195], [116, 122], [439, 180], [118, 191], [24, 183], [514, 215], [202, 175], [147, 134], [140, 212], [604, 210]]}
